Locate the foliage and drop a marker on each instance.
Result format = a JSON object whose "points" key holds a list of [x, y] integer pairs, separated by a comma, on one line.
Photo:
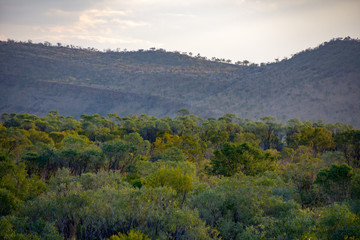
{"points": [[22, 229], [337, 222], [141, 177], [246, 158], [132, 235], [317, 138], [335, 181], [349, 143]]}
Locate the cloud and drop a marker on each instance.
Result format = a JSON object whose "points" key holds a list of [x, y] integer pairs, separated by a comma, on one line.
{"points": [[237, 29], [92, 22], [180, 15], [97, 41], [3, 37], [58, 12], [40, 5], [96, 27], [129, 23], [102, 39]]}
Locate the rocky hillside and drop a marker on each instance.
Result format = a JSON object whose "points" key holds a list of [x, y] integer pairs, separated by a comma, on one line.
{"points": [[321, 83]]}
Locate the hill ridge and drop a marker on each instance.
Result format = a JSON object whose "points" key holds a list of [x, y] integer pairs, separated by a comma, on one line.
{"points": [[320, 83]]}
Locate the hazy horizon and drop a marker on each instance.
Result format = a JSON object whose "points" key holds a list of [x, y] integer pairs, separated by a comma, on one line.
{"points": [[258, 31]]}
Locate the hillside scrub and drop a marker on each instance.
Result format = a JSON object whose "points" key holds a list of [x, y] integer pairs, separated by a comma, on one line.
{"points": [[319, 83]]}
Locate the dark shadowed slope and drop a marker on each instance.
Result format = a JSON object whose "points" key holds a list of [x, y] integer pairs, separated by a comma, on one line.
{"points": [[321, 83]]}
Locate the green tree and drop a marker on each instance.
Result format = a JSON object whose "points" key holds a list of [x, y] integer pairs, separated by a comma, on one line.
{"points": [[246, 158], [123, 155], [183, 112], [300, 167], [317, 138], [39, 159], [165, 142], [13, 140], [132, 235], [79, 154], [15, 185], [335, 181], [22, 228], [175, 178], [293, 129], [245, 207], [349, 143], [337, 222], [271, 135]]}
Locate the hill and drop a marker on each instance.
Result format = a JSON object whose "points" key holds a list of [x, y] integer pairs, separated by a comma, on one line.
{"points": [[321, 83]]}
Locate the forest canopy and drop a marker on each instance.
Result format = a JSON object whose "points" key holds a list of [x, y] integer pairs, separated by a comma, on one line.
{"points": [[143, 177]]}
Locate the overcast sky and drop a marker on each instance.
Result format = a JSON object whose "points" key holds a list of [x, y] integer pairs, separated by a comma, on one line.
{"points": [[255, 30]]}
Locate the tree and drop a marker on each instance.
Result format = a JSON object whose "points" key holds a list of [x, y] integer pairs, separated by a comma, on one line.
{"points": [[335, 181], [123, 155], [246, 207], [271, 137], [38, 136], [349, 143], [132, 235], [300, 167], [21, 228], [165, 142], [13, 140], [175, 178], [246, 158], [184, 125], [39, 159], [292, 129], [192, 148], [245, 62], [138, 144], [337, 222], [183, 112], [170, 154], [118, 155], [268, 131], [78, 154], [15, 185], [319, 139]]}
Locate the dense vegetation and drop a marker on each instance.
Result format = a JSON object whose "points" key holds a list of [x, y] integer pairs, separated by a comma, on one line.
{"points": [[320, 83], [142, 177]]}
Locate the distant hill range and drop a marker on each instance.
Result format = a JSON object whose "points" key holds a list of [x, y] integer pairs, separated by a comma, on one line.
{"points": [[321, 83]]}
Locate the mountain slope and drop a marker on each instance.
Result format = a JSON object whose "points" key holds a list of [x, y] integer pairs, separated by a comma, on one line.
{"points": [[321, 83]]}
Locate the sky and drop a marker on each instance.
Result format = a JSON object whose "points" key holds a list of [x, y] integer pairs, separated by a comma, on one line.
{"points": [[253, 30]]}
